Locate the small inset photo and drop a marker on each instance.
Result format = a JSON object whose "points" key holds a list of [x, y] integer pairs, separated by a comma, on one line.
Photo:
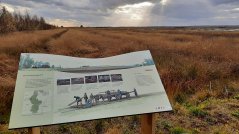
{"points": [[116, 77], [63, 82], [77, 81], [91, 79], [104, 78]]}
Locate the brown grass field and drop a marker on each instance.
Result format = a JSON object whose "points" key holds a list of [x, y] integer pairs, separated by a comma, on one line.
{"points": [[187, 61]]}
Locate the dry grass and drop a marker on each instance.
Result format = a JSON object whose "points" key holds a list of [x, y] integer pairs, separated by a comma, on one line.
{"points": [[187, 60], [73, 43], [25, 38]]}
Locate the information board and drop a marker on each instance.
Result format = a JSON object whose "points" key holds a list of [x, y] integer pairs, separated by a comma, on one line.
{"points": [[53, 89]]}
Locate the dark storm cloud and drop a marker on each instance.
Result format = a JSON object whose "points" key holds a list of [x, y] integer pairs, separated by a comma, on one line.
{"points": [[111, 4], [102, 12], [84, 10], [91, 4], [51, 2], [87, 7], [219, 2]]}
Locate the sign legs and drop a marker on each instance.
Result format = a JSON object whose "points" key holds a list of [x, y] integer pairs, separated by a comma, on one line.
{"points": [[148, 124], [34, 130], [147, 121]]}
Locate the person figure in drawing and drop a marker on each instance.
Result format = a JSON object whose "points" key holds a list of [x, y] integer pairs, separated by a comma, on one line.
{"points": [[78, 99], [85, 97], [92, 98]]}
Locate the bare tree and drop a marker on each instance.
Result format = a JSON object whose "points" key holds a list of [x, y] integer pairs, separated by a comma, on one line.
{"points": [[18, 22], [7, 22]]}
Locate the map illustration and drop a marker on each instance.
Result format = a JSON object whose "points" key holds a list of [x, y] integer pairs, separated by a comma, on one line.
{"points": [[36, 102]]}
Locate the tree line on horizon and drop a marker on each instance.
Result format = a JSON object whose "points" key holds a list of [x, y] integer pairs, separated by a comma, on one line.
{"points": [[18, 22]]}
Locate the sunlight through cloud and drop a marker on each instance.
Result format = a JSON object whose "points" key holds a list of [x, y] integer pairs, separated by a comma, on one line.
{"points": [[132, 14], [164, 2]]}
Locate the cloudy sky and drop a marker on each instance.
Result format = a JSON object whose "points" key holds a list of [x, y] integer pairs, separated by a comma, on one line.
{"points": [[130, 12]]}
